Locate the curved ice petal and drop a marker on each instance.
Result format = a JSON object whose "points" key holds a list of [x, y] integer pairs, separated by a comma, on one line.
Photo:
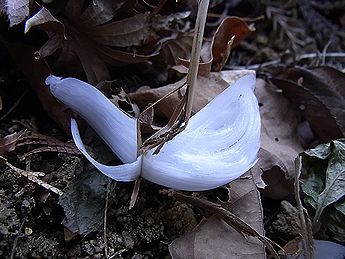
{"points": [[219, 144], [116, 128], [125, 172]]}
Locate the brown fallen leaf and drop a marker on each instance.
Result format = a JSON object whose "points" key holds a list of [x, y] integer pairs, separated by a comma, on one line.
{"points": [[93, 34], [41, 18], [222, 40], [9, 142], [206, 90], [213, 238], [319, 93], [174, 48], [279, 142], [229, 33]]}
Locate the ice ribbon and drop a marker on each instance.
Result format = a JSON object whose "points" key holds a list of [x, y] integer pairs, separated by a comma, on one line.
{"points": [[219, 144]]}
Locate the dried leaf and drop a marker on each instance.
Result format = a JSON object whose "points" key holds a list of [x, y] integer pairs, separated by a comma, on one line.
{"points": [[132, 31], [43, 16], [213, 238], [124, 102], [84, 198], [98, 12], [206, 90], [16, 10], [279, 143], [215, 54], [222, 40], [9, 142], [176, 47], [167, 22], [91, 33], [326, 181], [320, 95]]}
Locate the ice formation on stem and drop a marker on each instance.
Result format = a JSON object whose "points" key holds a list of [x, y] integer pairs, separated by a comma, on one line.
{"points": [[219, 144]]}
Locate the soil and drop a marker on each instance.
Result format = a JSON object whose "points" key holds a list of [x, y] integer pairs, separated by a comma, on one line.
{"points": [[31, 218]]}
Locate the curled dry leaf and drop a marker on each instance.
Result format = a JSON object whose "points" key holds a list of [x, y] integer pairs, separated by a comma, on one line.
{"points": [[223, 40], [279, 143], [228, 35], [93, 34], [320, 95], [42, 17], [174, 48]]}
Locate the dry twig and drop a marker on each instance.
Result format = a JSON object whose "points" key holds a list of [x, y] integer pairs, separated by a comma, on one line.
{"points": [[305, 223], [180, 118], [32, 176]]}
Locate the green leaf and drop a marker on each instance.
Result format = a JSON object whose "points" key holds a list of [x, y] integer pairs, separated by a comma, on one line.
{"points": [[83, 202], [340, 206], [326, 183], [334, 221], [84, 198]]}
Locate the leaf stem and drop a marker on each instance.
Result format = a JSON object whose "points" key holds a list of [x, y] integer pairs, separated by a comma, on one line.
{"points": [[195, 56], [180, 118]]}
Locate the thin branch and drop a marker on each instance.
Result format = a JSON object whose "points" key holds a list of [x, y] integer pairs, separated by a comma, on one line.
{"points": [[195, 56], [307, 235], [32, 176], [105, 239], [135, 193], [180, 118]]}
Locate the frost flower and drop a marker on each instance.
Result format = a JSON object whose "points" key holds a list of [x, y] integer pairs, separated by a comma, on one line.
{"points": [[219, 144]]}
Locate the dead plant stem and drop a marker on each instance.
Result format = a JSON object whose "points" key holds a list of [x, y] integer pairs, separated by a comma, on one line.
{"points": [[180, 118], [305, 223], [105, 239], [195, 56]]}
